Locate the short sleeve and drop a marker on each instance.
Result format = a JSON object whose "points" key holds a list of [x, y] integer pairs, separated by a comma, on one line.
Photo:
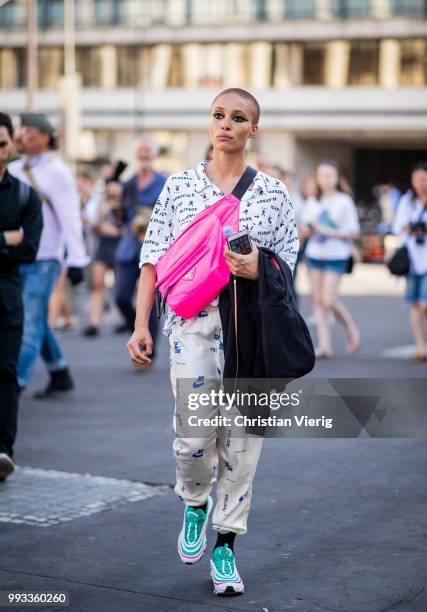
{"points": [[310, 212], [350, 222], [159, 233], [285, 242], [401, 218]]}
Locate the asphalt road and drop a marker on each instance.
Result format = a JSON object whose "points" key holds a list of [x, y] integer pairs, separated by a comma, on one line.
{"points": [[336, 525]]}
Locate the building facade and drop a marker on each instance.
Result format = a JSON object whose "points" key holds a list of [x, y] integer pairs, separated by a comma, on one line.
{"points": [[335, 78]]}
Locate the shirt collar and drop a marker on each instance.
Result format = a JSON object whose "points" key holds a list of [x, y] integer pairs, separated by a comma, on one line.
{"points": [[157, 176], [33, 161], [202, 181]]}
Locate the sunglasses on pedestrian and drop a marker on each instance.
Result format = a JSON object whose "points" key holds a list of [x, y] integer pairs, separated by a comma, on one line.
{"points": [[3, 144]]}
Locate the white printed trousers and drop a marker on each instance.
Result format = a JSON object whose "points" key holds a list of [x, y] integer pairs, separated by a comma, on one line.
{"points": [[197, 353]]}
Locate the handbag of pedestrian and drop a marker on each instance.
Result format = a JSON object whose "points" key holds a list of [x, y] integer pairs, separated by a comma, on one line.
{"points": [[399, 262], [192, 272]]}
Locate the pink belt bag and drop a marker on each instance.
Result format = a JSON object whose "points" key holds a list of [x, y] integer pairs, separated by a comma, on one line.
{"points": [[192, 272]]}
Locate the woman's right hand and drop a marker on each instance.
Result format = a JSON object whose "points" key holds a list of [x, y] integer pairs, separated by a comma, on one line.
{"points": [[140, 345]]}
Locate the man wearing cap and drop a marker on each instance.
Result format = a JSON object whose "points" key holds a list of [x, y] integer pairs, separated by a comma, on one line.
{"points": [[20, 230], [62, 231]]}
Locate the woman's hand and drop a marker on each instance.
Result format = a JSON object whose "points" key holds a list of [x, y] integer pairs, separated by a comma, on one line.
{"points": [[13, 237], [108, 229], [305, 232], [140, 345], [245, 266]]}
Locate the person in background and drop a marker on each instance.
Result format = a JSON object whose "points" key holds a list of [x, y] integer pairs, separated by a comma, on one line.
{"points": [[286, 176], [60, 312], [62, 230], [140, 225], [307, 192], [90, 199], [410, 223], [143, 189], [106, 171], [388, 200], [107, 227], [20, 230], [332, 224]]}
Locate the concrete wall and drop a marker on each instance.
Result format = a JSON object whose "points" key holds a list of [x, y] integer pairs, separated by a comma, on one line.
{"points": [[310, 153], [300, 30], [352, 111]]}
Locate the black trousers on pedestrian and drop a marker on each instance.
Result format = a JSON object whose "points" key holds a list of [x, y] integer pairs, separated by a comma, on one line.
{"points": [[10, 344], [127, 275]]}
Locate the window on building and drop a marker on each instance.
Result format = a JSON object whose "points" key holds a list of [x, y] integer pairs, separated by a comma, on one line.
{"points": [[363, 68], [300, 9], [84, 13], [13, 14], [21, 67], [413, 69], [347, 9], [107, 12], [314, 65], [408, 8], [260, 7], [13, 66], [51, 13], [51, 66], [88, 64], [175, 73], [127, 66]]}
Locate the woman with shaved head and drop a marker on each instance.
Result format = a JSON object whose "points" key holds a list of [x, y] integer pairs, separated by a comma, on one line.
{"points": [[196, 344]]}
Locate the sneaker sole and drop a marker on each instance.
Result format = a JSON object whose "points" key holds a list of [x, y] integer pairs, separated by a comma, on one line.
{"points": [[229, 590], [197, 558]]}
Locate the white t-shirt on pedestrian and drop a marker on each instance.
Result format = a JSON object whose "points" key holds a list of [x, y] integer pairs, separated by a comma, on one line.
{"points": [[337, 211], [411, 211]]}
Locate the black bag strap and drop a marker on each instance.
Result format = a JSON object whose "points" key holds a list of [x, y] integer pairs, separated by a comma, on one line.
{"points": [[24, 196], [244, 182]]}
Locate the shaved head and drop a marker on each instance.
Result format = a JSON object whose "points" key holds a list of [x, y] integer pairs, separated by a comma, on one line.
{"points": [[256, 111]]}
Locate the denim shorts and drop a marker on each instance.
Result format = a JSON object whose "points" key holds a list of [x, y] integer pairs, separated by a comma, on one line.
{"points": [[339, 266], [416, 288]]}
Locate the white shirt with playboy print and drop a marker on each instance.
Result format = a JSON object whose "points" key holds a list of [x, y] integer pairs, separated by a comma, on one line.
{"points": [[266, 212]]}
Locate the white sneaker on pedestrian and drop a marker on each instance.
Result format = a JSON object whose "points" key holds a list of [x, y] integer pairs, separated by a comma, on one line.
{"points": [[225, 577], [192, 538], [6, 466]]}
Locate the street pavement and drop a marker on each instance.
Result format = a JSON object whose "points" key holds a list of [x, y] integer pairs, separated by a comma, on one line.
{"points": [[336, 525]]}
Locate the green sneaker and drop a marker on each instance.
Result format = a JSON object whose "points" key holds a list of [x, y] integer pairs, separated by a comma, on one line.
{"points": [[192, 539], [225, 577]]}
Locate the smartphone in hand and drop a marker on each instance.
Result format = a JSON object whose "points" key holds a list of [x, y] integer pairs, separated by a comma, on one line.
{"points": [[240, 243]]}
